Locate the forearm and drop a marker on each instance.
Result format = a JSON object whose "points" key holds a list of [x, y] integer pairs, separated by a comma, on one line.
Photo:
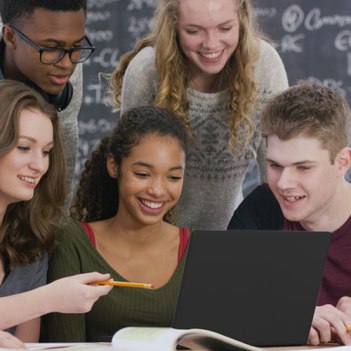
{"points": [[19, 308]]}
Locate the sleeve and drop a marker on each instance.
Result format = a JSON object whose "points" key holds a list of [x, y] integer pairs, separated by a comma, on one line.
{"points": [[65, 261], [69, 132], [40, 277], [271, 75], [140, 81], [259, 211]]}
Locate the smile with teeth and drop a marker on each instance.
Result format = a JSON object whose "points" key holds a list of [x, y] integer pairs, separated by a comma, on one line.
{"points": [[27, 179], [213, 55], [152, 204], [293, 198]]}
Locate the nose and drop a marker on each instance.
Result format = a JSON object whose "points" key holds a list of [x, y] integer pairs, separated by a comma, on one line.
{"points": [[286, 179], [157, 188], [39, 162], [65, 62], [211, 41]]}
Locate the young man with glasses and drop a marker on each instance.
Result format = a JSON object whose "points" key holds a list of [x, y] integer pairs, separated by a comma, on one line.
{"points": [[307, 128], [42, 44]]}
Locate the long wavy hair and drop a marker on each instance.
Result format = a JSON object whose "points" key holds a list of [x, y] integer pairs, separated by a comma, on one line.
{"points": [[97, 196], [28, 229], [174, 74]]}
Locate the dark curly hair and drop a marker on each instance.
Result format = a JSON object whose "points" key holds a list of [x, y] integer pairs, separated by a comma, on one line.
{"points": [[12, 11], [97, 195]]}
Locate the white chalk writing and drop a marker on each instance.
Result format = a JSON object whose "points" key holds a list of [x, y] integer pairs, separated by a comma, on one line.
{"points": [[292, 18], [107, 57], [315, 21], [290, 43], [99, 35], [138, 4], [99, 3], [93, 17], [95, 126], [265, 12], [330, 83], [343, 40]]}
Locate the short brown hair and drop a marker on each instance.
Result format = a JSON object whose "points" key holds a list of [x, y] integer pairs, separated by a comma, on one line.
{"points": [[312, 111], [28, 229]]}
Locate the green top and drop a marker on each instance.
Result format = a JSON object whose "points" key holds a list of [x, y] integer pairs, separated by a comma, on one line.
{"points": [[122, 307]]}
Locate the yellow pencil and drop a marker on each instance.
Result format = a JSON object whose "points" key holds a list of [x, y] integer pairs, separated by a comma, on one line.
{"points": [[348, 329], [127, 284]]}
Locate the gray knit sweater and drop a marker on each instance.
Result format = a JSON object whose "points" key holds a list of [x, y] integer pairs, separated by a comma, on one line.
{"points": [[213, 178]]}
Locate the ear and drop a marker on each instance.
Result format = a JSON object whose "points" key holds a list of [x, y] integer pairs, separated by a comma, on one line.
{"points": [[9, 37], [112, 167], [343, 161]]}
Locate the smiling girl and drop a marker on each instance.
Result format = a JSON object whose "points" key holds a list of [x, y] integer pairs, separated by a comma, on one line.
{"points": [[123, 206], [206, 62], [32, 189]]}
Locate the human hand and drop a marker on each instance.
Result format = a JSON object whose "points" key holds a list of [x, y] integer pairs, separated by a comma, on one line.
{"points": [[74, 294], [344, 305], [330, 323], [8, 341]]}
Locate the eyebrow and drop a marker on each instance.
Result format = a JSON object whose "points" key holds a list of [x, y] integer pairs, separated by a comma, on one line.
{"points": [[34, 140], [60, 42], [143, 164], [221, 24], [294, 164]]}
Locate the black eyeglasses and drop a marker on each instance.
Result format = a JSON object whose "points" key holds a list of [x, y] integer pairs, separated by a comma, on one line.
{"points": [[54, 55]]}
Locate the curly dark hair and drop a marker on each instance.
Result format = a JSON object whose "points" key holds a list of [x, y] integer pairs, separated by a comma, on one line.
{"points": [[12, 11], [97, 195]]}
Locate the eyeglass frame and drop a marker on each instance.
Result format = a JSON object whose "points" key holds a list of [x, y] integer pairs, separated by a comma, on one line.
{"points": [[66, 51]]}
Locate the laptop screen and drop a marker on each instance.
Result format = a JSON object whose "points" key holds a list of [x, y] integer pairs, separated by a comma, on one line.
{"points": [[258, 287]]}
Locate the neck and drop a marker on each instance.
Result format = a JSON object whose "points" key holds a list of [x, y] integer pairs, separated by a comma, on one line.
{"points": [[133, 233], [335, 214], [9, 68], [208, 83]]}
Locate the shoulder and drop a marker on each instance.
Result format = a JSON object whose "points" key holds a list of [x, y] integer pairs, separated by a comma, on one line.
{"points": [[269, 68], [260, 210], [71, 232], [143, 62]]}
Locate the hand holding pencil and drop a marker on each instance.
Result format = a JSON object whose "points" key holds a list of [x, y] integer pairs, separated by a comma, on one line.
{"points": [[126, 284]]}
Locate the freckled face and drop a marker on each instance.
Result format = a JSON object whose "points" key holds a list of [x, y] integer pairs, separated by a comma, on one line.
{"points": [[208, 32], [22, 168], [150, 179], [301, 177]]}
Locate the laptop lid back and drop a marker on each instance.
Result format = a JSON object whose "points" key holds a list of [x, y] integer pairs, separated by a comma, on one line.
{"points": [[258, 287]]}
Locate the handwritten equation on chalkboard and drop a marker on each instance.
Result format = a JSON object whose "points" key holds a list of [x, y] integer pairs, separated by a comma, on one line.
{"points": [[312, 37]]}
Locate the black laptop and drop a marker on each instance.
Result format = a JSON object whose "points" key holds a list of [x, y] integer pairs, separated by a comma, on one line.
{"points": [[258, 287]]}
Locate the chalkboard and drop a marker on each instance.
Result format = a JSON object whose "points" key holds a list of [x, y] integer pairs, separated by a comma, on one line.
{"points": [[313, 38]]}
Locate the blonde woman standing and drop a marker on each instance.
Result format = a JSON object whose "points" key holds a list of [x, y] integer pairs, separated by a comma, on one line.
{"points": [[206, 62]]}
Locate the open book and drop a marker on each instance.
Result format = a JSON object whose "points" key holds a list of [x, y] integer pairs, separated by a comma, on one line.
{"points": [[167, 339]]}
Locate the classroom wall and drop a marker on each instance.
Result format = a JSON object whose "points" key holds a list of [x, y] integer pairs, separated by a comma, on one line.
{"points": [[313, 38]]}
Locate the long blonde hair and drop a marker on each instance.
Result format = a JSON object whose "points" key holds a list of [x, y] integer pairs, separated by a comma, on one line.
{"points": [[175, 76]]}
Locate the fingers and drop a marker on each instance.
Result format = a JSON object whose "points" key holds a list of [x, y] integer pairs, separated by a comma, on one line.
{"points": [[344, 305], [8, 341], [88, 278], [313, 338], [328, 320]]}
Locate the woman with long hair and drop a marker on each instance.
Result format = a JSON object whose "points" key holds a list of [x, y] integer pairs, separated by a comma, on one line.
{"points": [[207, 62], [32, 191], [122, 210]]}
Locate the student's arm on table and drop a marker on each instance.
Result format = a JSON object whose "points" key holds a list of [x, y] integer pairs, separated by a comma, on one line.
{"points": [[330, 323], [68, 295], [8, 341]]}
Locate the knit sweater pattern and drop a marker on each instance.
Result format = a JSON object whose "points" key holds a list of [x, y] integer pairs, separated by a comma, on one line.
{"points": [[213, 177]]}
